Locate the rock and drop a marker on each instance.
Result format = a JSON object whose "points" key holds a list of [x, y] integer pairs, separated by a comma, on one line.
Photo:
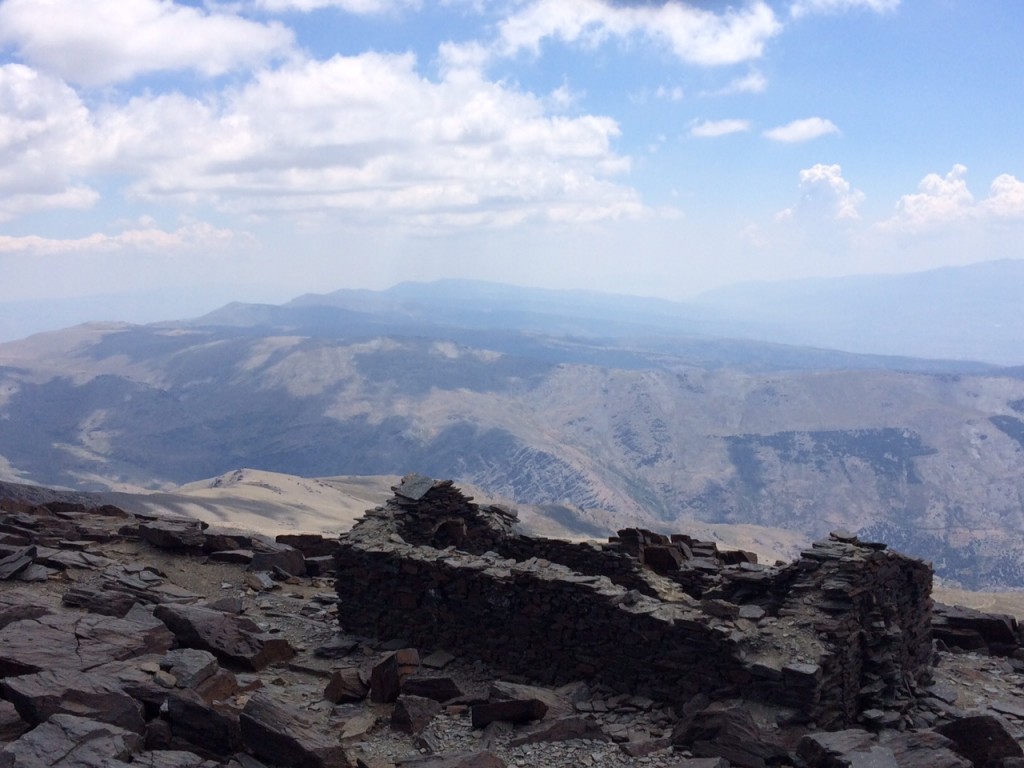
{"points": [[564, 729], [729, 732], [11, 724], [346, 685], [75, 641], [282, 736], [511, 710], [471, 760], [13, 564], [233, 639], [923, 749], [555, 703], [438, 660], [413, 713], [982, 739], [310, 544], [68, 741], [387, 675], [212, 729], [89, 695], [171, 758], [260, 581], [189, 666], [272, 556], [174, 534], [436, 688]]}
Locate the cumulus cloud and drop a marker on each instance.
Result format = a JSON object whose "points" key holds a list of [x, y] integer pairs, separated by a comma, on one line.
{"points": [[824, 193], [1006, 198], [802, 130], [753, 82], [362, 7], [809, 7], [46, 136], [110, 41], [714, 128], [693, 35], [191, 236], [945, 200], [367, 135]]}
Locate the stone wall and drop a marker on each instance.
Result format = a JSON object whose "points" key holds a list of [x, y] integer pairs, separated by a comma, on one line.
{"points": [[843, 629]]}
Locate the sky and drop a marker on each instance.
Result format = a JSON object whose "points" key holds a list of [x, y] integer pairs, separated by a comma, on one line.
{"points": [[159, 158]]}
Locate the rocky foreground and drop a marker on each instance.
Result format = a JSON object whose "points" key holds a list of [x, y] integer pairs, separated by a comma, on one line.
{"points": [[132, 640]]}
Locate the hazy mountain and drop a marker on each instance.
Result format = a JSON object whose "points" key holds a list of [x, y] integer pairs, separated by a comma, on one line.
{"points": [[972, 313], [601, 428]]}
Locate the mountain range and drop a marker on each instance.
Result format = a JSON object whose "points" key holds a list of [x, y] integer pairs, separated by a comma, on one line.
{"points": [[600, 410]]}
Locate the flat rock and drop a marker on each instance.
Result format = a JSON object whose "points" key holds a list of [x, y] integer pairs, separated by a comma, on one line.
{"points": [[211, 729], [469, 760], [75, 641], [67, 741], [171, 758], [67, 691], [177, 534], [232, 639], [282, 736], [436, 688], [982, 739]]}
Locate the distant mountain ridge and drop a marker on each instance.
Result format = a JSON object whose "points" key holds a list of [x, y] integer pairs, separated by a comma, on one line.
{"points": [[605, 427]]}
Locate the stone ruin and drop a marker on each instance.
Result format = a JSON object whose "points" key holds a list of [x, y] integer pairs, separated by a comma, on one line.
{"points": [[841, 635]]}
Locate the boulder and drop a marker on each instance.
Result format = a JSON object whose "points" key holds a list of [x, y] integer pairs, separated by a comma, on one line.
{"points": [[68, 741], [270, 556], [75, 641], [346, 685], [232, 639], [282, 736], [982, 739], [210, 729], [413, 713], [728, 731], [436, 688], [85, 694], [388, 674], [175, 534]]}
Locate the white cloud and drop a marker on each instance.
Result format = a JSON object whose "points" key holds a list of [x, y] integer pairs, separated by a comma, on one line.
{"points": [[802, 130], [945, 200], [674, 93], [45, 143], [109, 41], [809, 7], [1006, 198], [715, 128], [362, 7], [754, 82], [693, 35], [191, 236], [824, 193], [368, 136]]}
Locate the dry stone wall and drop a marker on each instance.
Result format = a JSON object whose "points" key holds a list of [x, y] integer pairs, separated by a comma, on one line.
{"points": [[843, 630]]}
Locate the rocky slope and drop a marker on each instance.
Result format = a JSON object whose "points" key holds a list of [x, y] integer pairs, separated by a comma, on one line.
{"points": [[153, 641]]}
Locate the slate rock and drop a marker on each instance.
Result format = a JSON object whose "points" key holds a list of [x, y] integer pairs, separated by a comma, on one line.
{"points": [[210, 729], [271, 556], [282, 736], [923, 749], [190, 666], [11, 724], [171, 758], [729, 732], [174, 534], [469, 760], [436, 688], [16, 562], [387, 675], [511, 710], [85, 694], [232, 639], [346, 685], [565, 729], [67, 741], [413, 713], [982, 739], [75, 641]]}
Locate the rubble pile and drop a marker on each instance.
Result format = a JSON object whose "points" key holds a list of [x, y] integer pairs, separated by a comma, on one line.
{"points": [[844, 629]]}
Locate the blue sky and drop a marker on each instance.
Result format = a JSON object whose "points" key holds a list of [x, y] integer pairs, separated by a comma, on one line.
{"points": [[160, 158]]}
